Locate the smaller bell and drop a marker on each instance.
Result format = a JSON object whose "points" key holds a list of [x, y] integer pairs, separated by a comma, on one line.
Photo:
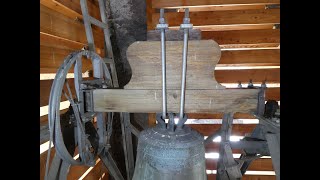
{"points": [[170, 152]]}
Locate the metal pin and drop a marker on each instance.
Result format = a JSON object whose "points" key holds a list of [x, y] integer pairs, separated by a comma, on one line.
{"points": [[185, 28], [163, 60]]}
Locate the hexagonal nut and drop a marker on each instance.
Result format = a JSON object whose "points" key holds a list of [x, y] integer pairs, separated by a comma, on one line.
{"points": [[162, 26], [186, 26]]}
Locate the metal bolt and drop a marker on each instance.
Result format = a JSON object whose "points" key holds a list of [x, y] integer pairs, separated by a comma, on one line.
{"points": [[239, 84], [264, 85]]}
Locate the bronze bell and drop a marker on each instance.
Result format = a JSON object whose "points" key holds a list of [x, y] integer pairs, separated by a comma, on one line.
{"points": [[170, 152]]}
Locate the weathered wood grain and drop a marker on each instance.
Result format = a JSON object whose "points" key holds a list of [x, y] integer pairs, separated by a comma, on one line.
{"points": [[243, 36], [174, 3], [173, 35], [145, 61], [197, 101]]}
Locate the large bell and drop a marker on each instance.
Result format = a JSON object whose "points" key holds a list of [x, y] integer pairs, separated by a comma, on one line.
{"points": [[170, 152]]}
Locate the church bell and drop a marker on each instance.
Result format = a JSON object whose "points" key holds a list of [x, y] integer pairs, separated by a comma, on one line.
{"points": [[170, 152]]}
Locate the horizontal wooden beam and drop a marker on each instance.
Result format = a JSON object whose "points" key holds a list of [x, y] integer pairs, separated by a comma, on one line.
{"points": [[99, 171], [243, 36], [262, 164], [229, 7], [52, 4], [218, 116], [247, 177], [197, 101], [237, 129], [188, 3], [93, 7], [222, 17], [250, 46], [261, 56], [57, 24], [257, 75], [51, 59], [230, 27]]}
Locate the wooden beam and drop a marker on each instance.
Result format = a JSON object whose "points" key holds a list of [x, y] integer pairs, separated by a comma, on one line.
{"points": [[262, 164], [197, 101], [257, 75], [223, 7], [272, 94], [237, 129], [219, 116], [57, 24], [230, 27], [250, 46], [173, 35], [99, 171], [51, 59], [150, 10], [58, 42], [248, 177], [243, 36], [93, 7], [247, 57], [222, 17], [52, 4], [188, 3]]}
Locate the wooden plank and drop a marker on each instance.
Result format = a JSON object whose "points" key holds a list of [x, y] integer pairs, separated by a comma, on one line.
{"points": [[52, 4], [222, 17], [173, 35], [219, 116], [58, 42], [250, 46], [150, 10], [197, 101], [237, 129], [43, 160], [257, 75], [272, 94], [97, 172], [248, 177], [256, 165], [223, 7], [247, 57], [230, 27], [243, 36], [174, 3], [144, 58], [93, 7], [54, 23], [51, 59]]}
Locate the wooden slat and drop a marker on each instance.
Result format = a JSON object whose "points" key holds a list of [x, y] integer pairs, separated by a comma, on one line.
{"points": [[272, 94], [248, 177], [96, 172], [230, 27], [43, 160], [250, 46], [229, 7], [257, 75], [54, 23], [200, 101], [57, 42], [150, 10], [52, 4], [174, 3], [218, 116], [222, 17], [256, 165], [247, 57], [237, 129], [51, 59], [93, 7], [243, 36]]}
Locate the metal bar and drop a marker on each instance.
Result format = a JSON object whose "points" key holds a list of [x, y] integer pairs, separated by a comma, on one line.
{"points": [[127, 144], [97, 22], [108, 161], [108, 45], [87, 25], [184, 65], [274, 148], [163, 60], [134, 130]]}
